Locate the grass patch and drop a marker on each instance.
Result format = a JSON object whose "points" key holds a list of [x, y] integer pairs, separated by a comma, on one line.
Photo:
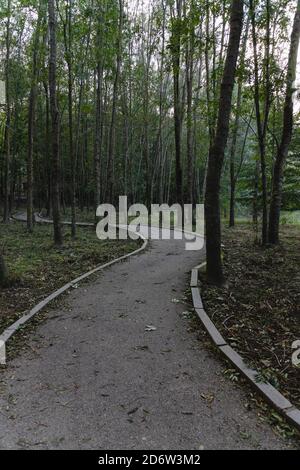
{"points": [[82, 215], [286, 218], [290, 217]]}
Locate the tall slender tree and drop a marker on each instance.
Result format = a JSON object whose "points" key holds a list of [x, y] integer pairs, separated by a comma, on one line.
{"points": [[55, 176], [6, 211], [31, 117], [112, 136], [287, 130], [262, 118], [98, 105], [68, 43], [235, 132], [175, 47], [217, 149], [189, 74]]}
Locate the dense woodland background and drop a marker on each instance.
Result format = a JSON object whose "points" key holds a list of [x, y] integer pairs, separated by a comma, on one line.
{"points": [[112, 97]]}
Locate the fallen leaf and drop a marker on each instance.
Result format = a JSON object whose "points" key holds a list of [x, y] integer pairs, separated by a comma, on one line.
{"points": [[150, 328]]}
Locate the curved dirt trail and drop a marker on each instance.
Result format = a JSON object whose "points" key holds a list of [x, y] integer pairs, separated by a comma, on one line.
{"points": [[93, 378]]}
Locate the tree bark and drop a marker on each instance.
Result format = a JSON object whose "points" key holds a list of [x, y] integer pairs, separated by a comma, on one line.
{"points": [[161, 114], [210, 113], [69, 61], [235, 134], [3, 270], [189, 117], [287, 130], [98, 108], [262, 124], [31, 122], [175, 51], [55, 176], [111, 144], [47, 147], [217, 149], [98, 133], [6, 211], [255, 196]]}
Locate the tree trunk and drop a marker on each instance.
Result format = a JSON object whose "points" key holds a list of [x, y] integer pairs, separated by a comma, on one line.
{"points": [[232, 157], [161, 116], [46, 147], [235, 134], [3, 270], [262, 124], [208, 77], [287, 131], [146, 150], [69, 61], [217, 149], [175, 50], [6, 211], [255, 196], [111, 144], [98, 109], [55, 177], [98, 134], [31, 121], [189, 117], [32, 98]]}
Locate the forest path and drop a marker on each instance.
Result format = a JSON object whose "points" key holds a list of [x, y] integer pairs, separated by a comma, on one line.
{"points": [[92, 377]]}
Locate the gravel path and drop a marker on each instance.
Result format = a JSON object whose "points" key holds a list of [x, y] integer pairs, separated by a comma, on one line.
{"points": [[93, 378]]}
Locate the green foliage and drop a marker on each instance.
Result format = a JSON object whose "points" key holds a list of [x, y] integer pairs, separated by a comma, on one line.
{"points": [[152, 42]]}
